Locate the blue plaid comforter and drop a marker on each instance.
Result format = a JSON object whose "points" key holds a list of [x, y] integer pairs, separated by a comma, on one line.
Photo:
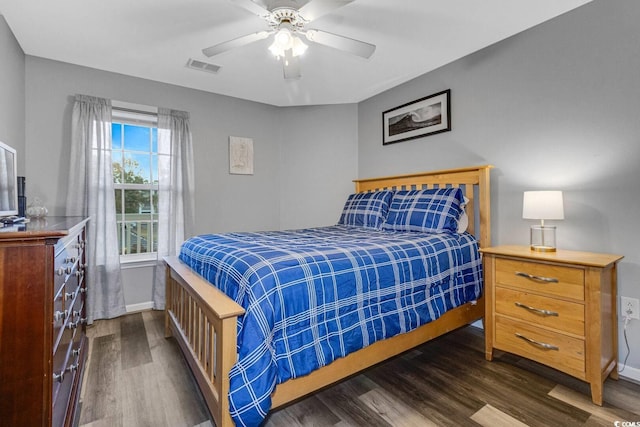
{"points": [[314, 295]]}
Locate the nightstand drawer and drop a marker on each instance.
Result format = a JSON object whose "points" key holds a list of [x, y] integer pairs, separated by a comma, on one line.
{"points": [[554, 280], [553, 349], [553, 313]]}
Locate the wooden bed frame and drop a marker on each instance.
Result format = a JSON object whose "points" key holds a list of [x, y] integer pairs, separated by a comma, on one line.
{"points": [[204, 320]]}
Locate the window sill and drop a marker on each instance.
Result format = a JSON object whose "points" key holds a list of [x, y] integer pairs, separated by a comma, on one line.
{"points": [[139, 260]]}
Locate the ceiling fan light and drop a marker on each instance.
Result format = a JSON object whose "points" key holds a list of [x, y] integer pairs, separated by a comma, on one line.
{"points": [[298, 47], [276, 50], [284, 39]]}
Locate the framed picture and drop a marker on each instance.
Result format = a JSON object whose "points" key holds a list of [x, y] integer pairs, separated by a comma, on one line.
{"points": [[240, 156], [422, 117]]}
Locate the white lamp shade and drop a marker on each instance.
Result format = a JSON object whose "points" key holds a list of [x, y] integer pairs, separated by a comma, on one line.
{"points": [[542, 205]]}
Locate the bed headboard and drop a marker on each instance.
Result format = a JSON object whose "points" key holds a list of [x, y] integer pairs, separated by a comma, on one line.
{"points": [[474, 182]]}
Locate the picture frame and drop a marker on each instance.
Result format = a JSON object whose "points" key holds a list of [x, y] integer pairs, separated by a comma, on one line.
{"points": [[240, 156], [423, 117]]}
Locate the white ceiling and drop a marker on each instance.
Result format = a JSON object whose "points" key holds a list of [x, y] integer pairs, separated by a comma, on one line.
{"points": [[154, 39]]}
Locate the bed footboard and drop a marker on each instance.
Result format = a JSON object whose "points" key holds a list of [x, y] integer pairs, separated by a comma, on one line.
{"points": [[204, 323]]}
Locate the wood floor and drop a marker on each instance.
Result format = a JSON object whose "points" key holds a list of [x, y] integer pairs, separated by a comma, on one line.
{"points": [[136, 377]]}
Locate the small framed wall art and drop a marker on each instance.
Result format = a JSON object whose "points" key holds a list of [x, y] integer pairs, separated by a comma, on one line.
{"points": [[240, 156], [422, 117]]}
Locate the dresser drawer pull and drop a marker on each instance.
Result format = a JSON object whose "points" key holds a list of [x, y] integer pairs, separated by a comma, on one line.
{"points": [[59, 315], [73, 325], [79, 322], [73, 368], [540, 278], [69, 295], [538, 343], [58, 377], [537, 310], [60, 271]]}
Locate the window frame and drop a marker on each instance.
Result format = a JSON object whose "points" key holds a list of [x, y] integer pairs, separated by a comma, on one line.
{"points": [[149, 119]]}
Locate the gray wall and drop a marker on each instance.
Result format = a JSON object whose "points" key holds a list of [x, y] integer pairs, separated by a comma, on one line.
{"points": [[223, 201], [555, 107], [12, 97], [319, 162]]}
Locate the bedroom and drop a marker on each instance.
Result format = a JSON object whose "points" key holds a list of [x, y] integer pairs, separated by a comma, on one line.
{"points": [[577, 74]]}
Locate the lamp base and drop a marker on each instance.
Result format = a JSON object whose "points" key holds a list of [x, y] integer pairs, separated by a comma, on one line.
{"points": [[543, 238], [542, 248]]}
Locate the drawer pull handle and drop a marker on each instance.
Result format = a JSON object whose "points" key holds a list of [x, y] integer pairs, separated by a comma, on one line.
{"points": [[73, 325], [538, 343], [537, 310], [59, 377], [59, 315], [540, 278]]}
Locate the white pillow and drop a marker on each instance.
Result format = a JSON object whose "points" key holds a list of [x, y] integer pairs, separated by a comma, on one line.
{"points": [[463, 221]]}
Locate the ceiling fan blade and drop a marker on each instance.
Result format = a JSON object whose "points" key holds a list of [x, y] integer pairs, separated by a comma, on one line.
{"points": [[315, 9], [252, 7], [232, 44], [291, 66], [346, 44]]}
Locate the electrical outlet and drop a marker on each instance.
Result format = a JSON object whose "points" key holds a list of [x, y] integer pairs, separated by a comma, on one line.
{"points": [[630, 307]]}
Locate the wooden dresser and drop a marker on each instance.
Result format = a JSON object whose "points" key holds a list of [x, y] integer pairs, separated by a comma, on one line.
{"points": [[43, 345], [557, 308]]}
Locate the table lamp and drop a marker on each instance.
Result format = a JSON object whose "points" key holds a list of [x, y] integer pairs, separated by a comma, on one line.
{"points": [[543, 205]]}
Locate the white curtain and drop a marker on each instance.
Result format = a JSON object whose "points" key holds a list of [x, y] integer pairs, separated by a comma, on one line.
{"points": [[175, 193], [5, 176], [91, 194]]}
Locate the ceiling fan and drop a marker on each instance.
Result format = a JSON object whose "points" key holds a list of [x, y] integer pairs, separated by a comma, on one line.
{"points": [[287, 20]]}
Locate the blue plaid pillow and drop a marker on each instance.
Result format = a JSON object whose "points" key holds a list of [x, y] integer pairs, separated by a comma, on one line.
{"points": [[368, 210], [431, 211]]}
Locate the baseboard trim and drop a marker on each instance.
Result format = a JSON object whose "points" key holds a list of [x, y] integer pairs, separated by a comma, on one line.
{"points": [[629, 373], [132, 308]]}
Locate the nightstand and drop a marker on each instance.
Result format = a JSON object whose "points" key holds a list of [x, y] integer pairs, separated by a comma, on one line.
{"points": [[557, 308]]}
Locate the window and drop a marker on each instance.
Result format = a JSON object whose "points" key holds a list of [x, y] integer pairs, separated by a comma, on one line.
{"points": [[135, 174]]}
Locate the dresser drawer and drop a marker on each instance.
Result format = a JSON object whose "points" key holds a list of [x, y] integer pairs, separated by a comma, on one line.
{"points": [[60, 314], [67, 259], [554, 280], [566, 353], [553, 313], [62, 399], [60, 274], [60, 362]]}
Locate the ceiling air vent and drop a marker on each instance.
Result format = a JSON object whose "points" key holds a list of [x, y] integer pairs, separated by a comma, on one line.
{"points": [[202, 66]]}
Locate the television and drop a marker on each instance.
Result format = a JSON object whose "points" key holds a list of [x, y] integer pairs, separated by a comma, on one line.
{"points": [[8, 181]]}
